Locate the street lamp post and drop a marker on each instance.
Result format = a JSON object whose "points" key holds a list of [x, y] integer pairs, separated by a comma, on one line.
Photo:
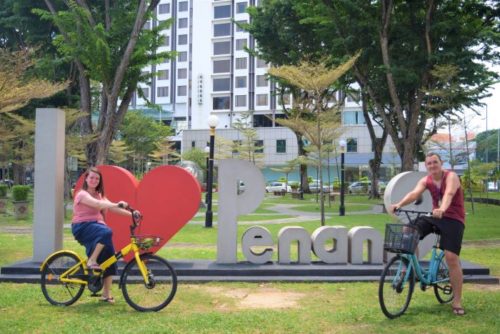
{"points": [[343, 145], [212, 123], [207, 166]]}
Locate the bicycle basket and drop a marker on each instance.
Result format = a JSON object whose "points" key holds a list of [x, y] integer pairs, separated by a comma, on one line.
{"points": [[145, 242], [401, 238]]}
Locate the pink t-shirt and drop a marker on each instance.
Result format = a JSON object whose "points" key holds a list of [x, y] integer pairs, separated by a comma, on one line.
{"points": [[84, 213]]}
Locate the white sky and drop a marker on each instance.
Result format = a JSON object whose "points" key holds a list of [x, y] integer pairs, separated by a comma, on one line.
{"points": [[492, 108]]}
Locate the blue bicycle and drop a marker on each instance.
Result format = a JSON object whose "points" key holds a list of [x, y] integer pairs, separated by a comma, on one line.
{"points": [[397, 281]]}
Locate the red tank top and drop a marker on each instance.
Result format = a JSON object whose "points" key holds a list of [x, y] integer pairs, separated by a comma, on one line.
{"points": [[456, 209]]}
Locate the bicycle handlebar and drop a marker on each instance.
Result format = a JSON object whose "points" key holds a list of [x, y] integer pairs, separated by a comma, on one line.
{"points": [[408, 212], [136, 216]]}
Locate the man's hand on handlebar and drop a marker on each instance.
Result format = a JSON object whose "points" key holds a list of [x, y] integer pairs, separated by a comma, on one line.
{"points": [[437, 213], [393, 209]]}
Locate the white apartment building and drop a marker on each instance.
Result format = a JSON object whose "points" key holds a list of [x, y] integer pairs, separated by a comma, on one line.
{"points": [[213, 74]]}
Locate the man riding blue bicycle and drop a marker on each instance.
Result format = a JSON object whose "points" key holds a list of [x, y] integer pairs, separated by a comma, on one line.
{"points": [[448, 217]]}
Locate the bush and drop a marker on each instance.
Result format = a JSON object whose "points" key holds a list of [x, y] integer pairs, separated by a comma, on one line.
{"points": [[20, 193], [3, 190]]}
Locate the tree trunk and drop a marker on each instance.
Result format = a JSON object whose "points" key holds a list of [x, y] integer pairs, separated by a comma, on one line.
{"points": [[304, 184]]}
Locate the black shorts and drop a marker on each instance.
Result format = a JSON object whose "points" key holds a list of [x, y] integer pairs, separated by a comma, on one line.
{"points": [[451, 231]]}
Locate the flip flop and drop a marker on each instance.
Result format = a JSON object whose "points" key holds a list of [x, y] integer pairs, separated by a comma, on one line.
{"points": [[458, 311], [109, 300]]}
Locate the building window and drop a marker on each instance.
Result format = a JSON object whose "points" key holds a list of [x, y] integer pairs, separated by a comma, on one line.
{"points": [[183, 22], [241, 63], [183, 6], [259, 146], [237, 26], [183, 39], [261, 81], [222, 29], [193, 144], [281, 146], [222, 66], [162, 91], [166, 41], [147, 25], [145, 92], [162, 74], [181, 90], [166, 61], [222, 48], [260, 121], [222, 12], [222, 84], [352, 145], [241, 44], [221, 102], [240, 82], [182, 56], [261, 63], [353, 117], [182, 73], [261, 99], [164, 8], [241, 101], [241, 7]]}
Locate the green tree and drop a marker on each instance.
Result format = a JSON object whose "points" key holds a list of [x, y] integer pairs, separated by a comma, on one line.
{"points": [[248, 148], [107, 42], [322, 125], [487, 145], [143, 136], [197, 156], [402, 42]]}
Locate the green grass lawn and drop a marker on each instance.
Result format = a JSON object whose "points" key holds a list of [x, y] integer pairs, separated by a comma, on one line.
{"points": [[258, 307]]}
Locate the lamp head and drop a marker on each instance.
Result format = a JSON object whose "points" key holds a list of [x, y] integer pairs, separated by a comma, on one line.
{"points": [[343, 145], [213, 121]]}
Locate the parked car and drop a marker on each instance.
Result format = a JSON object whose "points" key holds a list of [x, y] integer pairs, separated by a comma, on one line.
{"points": [[314, 187], [364, 187], [278, 186]]}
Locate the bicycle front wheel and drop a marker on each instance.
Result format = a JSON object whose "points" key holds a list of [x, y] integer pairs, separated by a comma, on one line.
{"points": [[58, 292], [396, 287], [442, 287], [154, 295]]}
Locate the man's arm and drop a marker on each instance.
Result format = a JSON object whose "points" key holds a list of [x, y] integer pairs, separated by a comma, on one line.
{"points": [[452, 185], [412, 196]]}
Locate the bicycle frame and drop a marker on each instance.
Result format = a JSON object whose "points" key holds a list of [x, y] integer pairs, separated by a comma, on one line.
{"points": [[426, 276], [132, 247]]}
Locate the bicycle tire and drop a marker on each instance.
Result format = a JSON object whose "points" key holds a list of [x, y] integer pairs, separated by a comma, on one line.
{"points": [[394, 294], [158, 293], [56, 292], [443, 290]]}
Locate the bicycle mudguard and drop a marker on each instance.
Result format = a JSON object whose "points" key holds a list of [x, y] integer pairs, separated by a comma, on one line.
{"points": [[59, 252]]}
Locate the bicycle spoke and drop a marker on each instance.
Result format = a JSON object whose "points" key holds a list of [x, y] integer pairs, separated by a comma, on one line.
{"points": [[156, 294], [396, 287]]}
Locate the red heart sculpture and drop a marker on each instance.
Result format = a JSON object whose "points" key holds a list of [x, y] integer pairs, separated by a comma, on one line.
{"points": [[168, 197]]}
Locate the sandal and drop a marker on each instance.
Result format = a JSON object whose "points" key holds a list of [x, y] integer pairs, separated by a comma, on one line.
{"points": [[109, 300], [458, 311]]}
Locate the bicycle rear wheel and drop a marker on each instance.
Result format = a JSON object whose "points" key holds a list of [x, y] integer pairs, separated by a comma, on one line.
{"points": [[394, 292], [442, 289], [161, 288], [57, 292]]}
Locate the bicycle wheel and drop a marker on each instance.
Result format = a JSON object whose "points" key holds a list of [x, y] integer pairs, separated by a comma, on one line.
{"points": [[57, 292], [442, 289], [394, 293], [161, 288]]}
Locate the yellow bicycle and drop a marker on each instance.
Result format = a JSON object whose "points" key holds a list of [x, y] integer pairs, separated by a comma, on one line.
{"points": [[148, 282]]}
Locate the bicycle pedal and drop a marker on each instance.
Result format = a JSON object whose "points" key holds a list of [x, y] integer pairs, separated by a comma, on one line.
{"points": [[96, 295], [447, 290], [423, 287]]}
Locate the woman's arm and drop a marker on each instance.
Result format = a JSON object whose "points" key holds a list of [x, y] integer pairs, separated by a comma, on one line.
{"points": [[101, 204]]}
